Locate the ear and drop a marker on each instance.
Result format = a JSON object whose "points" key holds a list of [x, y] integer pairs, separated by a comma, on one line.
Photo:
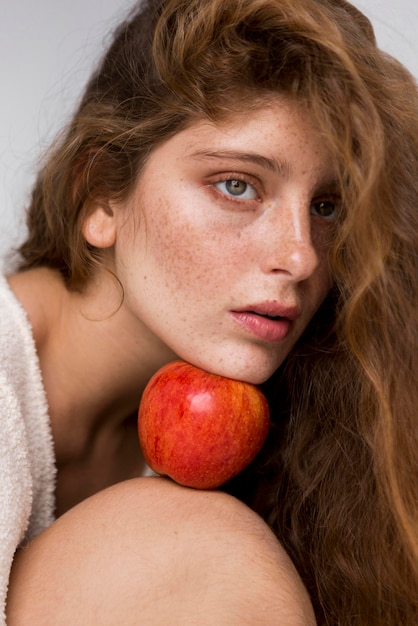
{"points": [[99, 228]]}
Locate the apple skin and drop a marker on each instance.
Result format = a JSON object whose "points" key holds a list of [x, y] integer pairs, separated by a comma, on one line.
{"points": [[198, 428]]}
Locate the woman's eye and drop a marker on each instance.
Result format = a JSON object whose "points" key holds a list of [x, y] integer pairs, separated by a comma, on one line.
{"points": [[327, 209], [236, 188]]}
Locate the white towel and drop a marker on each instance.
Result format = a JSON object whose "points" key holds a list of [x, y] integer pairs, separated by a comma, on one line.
{"points": [[27, 460]]}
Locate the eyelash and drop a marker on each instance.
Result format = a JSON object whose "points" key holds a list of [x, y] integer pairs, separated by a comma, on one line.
{"points": [[240, 178], [232, 178]]}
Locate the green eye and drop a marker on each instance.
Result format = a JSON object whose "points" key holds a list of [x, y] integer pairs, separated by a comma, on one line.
{"points": [[234, 187]]}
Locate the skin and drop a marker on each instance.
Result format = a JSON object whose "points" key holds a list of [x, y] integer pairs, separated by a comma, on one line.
{"points": [[150, 552], [190, 247], [187, 253], [210, 251]]}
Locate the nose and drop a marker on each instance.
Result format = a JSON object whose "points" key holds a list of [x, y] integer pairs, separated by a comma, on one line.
{"points": [[288, 246]]}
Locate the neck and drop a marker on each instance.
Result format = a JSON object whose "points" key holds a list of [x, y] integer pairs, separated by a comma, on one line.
{"points": [[95, 356]]}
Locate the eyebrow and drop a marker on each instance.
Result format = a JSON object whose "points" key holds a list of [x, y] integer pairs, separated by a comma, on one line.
{"points": [[278, 167]]}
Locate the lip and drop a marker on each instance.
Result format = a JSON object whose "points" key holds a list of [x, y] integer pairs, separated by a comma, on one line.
{"points": [[254, 320]]}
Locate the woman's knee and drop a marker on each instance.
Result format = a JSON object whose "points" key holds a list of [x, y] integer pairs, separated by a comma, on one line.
{"points": [[150, 552]]}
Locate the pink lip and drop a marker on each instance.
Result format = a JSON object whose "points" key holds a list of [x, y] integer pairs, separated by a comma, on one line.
{"points": [[253, 319]]}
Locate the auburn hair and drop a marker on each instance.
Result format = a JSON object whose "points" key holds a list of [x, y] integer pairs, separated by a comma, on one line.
{"points": [[338, 477]]}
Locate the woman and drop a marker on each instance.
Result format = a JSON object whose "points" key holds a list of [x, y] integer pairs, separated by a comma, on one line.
{"points": [[237, 189]]}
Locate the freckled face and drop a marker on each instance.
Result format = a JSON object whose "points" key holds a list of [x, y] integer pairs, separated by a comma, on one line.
{"points": [[222, 247]]}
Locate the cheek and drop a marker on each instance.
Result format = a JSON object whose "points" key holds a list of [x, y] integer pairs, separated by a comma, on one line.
{"points": [[314, 291], [322, 241], [183, 252], [321, 286]]}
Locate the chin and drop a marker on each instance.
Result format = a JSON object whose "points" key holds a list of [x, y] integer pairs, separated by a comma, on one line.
{"points": [[255, 371]]}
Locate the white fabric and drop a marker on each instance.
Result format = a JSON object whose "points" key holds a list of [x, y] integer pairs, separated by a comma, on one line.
{"points": [[27, 460]]}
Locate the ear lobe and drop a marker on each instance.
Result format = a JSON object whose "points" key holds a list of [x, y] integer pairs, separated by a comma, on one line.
{"points": [[99, 228]]}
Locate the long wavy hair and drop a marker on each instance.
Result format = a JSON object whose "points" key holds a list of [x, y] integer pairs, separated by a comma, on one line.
{"points": [[338, 477]]}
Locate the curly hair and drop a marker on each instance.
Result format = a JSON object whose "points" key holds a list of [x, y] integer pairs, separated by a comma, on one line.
{"points": [[338, 478]]}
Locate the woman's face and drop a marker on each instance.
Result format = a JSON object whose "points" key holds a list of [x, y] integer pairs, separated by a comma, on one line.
{"points": [[222, 247]]}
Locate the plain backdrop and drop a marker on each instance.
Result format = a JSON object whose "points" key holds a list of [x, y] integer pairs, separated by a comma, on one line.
{"points": [[47, 50]]}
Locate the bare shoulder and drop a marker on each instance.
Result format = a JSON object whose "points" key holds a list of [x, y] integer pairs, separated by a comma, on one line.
{"points": [[147, 551], [39, 290]]}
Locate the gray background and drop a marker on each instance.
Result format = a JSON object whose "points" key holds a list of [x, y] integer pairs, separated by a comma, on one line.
{"points": [[47, 49]]}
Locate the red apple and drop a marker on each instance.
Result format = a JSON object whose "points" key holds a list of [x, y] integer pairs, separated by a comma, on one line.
{"points": [[198, 428]]}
